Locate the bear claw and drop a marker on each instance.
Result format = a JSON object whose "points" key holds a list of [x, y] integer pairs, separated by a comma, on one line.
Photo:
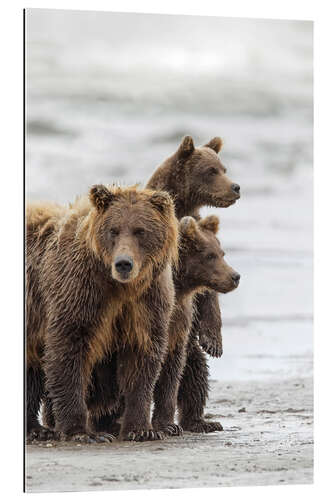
{"points": [[144, 435], [213, 349], [42, 434], [91, 438], [173, 430], [202, 426]]}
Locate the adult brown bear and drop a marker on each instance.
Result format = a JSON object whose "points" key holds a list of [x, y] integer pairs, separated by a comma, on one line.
{"points": [[99, 280]]}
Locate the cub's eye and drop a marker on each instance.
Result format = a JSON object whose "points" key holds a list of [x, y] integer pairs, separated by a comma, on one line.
{"points": [[114, 232], [211, 256], [213, 171], [139, 231]]}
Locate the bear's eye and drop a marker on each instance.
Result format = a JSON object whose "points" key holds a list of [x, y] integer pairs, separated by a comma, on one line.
{"points": [[213, 171], [139, 231], [114, 232], [211, 256]]}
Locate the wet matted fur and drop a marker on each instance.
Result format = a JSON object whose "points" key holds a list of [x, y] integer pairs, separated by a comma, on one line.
{"points": [[81, 307]]}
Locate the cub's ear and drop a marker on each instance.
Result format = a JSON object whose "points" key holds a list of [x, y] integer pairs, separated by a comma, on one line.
{"points": [[186, 148], [162, 201], [216, 144], [210, 223], [101, 197], [188, 227]]}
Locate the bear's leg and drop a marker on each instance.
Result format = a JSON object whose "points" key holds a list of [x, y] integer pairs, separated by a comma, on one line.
{"points": [[106, 423], [34, 395], [193, 391], [109, 422], [208, 323], [67, 375], [47, 413], [104, 402], [166, 390], [137, 377]]}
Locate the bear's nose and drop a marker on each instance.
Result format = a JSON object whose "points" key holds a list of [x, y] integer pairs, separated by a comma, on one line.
{"points": [[123, 264], [235, 278], [235, 188]]}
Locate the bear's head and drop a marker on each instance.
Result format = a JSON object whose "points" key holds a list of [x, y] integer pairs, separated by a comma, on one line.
{"points": [[206, 180], [135, 231], [201, 258]]}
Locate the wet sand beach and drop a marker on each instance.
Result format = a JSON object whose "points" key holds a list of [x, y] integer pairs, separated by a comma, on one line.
{"points": [[267, 439]]}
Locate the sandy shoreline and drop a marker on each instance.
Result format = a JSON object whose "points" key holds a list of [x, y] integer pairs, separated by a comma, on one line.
{"points": [[267, 439]]}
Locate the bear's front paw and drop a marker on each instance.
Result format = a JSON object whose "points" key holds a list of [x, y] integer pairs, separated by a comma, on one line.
{"points": [[112, 428], [89, 437], [169, 429], [213, 347], [173, 430], [41, 433], [142, 435], [202, 426]]}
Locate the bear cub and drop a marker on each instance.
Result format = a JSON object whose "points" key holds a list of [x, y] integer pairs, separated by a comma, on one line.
{"points": [[201, 267]]}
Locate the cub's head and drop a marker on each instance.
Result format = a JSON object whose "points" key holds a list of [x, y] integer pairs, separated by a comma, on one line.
{"points": [[208, 183], [201, 258], [134, 231]]}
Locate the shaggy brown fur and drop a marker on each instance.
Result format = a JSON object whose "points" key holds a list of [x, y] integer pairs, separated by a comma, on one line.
{"points": [[99, 281], [196, 177]]}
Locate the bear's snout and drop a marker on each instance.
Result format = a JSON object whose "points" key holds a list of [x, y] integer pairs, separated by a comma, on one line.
{"points": [[235, 278], [123, 264], [235, 188]]}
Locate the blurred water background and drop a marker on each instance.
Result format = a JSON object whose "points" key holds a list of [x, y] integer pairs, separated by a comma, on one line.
{"points": [[109, 96]]}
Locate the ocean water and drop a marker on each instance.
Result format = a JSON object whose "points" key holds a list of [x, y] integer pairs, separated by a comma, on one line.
{"points": [[109, 96]]}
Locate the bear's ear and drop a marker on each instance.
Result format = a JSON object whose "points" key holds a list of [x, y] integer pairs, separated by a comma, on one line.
{"points": [[188, 227], [101, 197], [186, 148], [216, 144], [162, 201], [210, 223]]}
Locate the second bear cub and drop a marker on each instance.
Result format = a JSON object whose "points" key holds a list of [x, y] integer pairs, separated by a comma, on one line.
{"points": [[201, 267]]}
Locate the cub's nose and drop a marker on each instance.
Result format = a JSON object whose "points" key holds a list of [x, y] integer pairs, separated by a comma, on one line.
{"points": [[123, 264], [235, 278], [235, 188]]}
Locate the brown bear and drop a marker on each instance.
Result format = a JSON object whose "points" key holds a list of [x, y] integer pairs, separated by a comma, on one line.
{"points": [[99, 281], [194, 177], [201, 267]]}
